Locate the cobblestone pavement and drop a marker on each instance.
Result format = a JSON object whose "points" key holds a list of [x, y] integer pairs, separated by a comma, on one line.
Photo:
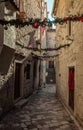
{"points": [[43, 112]]}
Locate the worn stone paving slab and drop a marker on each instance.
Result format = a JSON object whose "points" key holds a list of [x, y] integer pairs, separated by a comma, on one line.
{"points": [[43, 112]]}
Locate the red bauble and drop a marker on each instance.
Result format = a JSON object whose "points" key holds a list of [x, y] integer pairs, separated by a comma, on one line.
{"points": [[65, 19], [74, 16], [36, 25], [81, 19], [30, 46]]}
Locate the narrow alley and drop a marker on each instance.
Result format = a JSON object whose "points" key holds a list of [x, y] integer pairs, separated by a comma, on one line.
{"points": [[41, 64], [43, 111]]}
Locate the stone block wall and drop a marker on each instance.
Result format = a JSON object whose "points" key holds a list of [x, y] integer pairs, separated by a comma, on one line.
{"points": [[24, 37], [1, 27], [7, 80], [6, 89], [7, 37], [25, 33], [70, 56]]}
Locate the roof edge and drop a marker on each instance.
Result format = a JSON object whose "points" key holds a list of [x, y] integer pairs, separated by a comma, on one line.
{"points": [[54, 9]]}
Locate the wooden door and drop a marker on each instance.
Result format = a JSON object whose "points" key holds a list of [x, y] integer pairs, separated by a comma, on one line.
{"points": [[17, 81], [71, 87]]}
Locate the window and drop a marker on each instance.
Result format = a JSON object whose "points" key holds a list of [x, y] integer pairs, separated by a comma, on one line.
{"points": [[27, 71]]}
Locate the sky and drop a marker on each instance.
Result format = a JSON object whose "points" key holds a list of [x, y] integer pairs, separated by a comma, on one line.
{"points": [[50, 6]]}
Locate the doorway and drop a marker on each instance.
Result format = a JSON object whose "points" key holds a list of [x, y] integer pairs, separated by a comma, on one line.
{"points": [[35, 73], [71, 87], [17, 81]]}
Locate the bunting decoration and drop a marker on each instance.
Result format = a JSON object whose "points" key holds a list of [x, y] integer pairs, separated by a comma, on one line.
{"points": [[43, 49], [39, 22]]}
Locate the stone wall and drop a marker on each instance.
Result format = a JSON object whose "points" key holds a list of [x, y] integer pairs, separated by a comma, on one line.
{"points": [[1, 27], [50, 44], [70, 56], [27, 36], [6, 89], [7, 39], [24, 34], [7, 81]]}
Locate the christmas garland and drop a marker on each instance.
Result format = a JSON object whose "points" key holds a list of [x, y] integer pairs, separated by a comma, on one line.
{"points": [[39, 22], [43, 57], [43, 49], [49, 56]]}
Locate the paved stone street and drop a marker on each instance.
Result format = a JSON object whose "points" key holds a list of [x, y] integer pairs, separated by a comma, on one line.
{"points": [[43, 112]]}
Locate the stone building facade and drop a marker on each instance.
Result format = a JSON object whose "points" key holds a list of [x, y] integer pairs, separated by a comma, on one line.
{"points": [[19, 69], [7, 44], [27, 36], [43, 42], [50, 64], [69, 64]]}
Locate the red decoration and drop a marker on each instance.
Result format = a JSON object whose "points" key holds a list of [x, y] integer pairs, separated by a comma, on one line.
{"points": [[65, 19], [81, 19], [35, 25], [75, 17], [30, 46], [71, 80]]}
